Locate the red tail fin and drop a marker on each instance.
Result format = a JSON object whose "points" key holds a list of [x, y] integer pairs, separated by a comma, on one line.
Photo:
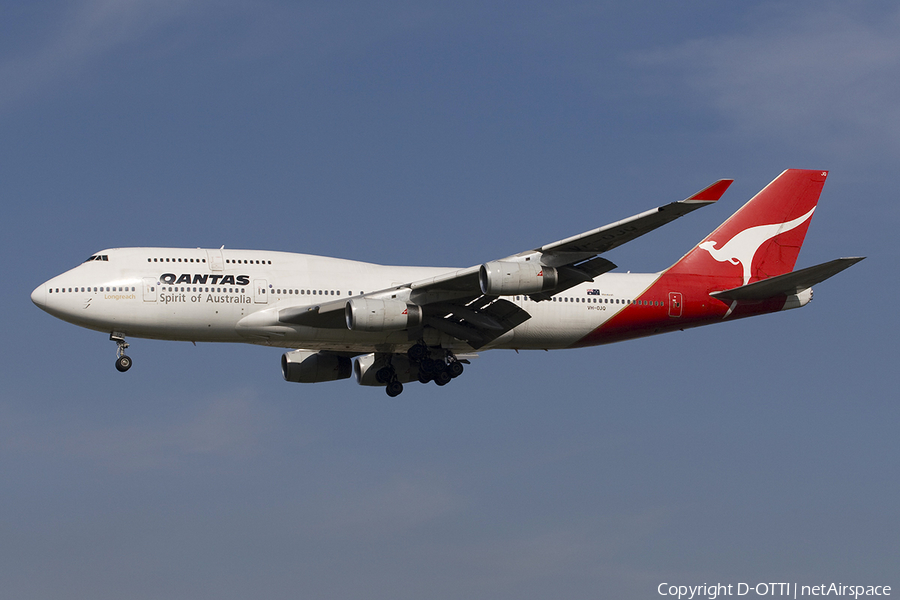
{"points": [[763, 238]]}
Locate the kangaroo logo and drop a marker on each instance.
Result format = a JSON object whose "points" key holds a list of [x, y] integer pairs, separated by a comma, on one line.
{"points": [[742, 247]]}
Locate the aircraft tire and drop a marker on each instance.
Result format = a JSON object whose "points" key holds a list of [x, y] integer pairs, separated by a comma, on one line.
{"points": [[123, 363], [394, 389], [442, 377], [432, 365], [455, 369], [417, 352], [384, 375]]}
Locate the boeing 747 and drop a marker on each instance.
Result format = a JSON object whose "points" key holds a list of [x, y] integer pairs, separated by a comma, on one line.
{"points": [[392, 325]]}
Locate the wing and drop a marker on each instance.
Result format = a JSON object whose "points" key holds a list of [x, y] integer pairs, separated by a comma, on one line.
{"points": [[613, 235], [468, 304], [574, 259]]}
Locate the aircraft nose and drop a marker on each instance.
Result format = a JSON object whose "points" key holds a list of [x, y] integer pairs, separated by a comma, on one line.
{"points": [[39, 296]]}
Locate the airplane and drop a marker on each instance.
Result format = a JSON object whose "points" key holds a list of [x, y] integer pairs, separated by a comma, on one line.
{"points": [[391, 325]]}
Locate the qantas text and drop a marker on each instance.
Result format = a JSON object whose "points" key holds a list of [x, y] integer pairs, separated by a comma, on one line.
{"points": [[207, 279]]}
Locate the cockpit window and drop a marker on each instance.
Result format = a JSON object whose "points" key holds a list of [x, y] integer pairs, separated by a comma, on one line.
{"points": [[98, 257]]}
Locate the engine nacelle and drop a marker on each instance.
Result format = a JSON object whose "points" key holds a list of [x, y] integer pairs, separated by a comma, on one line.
{"points": [[500, 278], [305, 366], [367, 314], [365, 367]]}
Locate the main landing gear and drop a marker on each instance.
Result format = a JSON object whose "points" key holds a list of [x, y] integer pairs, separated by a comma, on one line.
{"points": [[123, 363], [388, 376], [439, 370]]}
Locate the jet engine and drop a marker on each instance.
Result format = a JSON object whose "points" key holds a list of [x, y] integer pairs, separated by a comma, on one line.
{"points": [[501, 278], [305, 366], [367, 314]]}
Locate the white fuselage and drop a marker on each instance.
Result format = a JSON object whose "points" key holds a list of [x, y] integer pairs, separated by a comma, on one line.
{"points": [[235, 295]]}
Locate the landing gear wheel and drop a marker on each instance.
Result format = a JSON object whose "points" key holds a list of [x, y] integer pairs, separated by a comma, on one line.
{"points": [[424, 377], [123, 363], [417, 352], [432, 365], [442, 377], [384, 375], [394, 389], [455, 369]]}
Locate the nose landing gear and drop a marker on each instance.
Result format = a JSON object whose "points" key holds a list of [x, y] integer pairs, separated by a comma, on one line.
{"points": [[123, 363]]}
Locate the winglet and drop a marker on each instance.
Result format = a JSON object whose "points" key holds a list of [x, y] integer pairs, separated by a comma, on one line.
{"points": [[712, 192]]}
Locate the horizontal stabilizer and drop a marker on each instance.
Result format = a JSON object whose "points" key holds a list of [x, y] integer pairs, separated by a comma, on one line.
{"points": [[789, 283]]}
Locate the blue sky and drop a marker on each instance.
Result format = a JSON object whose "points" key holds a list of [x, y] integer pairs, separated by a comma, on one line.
{"points": [[427, 134]]}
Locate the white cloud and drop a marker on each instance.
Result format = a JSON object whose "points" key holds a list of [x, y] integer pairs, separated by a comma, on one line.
{"points": [[823, 76], [88, 31]]}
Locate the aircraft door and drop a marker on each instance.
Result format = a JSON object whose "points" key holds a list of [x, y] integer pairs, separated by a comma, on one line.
{"points": [[150, 285], [260, 291], [675, 304], [215, 259]]}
